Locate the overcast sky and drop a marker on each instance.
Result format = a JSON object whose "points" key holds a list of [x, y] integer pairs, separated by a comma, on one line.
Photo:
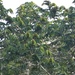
{"points": [[16, 3]]}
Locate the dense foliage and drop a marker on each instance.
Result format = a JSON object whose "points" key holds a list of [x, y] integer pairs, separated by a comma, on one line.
{"points": [[37, 41]]}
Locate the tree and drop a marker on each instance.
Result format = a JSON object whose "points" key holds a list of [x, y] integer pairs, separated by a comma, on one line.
{"points": [[38, 41], [3, 25]]}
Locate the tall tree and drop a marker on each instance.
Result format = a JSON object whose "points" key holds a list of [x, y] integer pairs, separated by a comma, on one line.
{"points": [[38, 41]]}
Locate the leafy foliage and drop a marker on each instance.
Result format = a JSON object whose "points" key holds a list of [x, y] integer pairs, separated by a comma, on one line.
{"points": [[37, 41]]}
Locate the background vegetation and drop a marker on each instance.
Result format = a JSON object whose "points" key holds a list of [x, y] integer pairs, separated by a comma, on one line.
{"points": [[37, 41]]}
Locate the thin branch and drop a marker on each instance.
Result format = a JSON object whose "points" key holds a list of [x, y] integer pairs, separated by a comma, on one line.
{"points": [[44, 69]]}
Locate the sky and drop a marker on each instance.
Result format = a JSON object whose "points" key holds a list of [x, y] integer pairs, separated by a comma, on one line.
{"points": [[16, 3]]}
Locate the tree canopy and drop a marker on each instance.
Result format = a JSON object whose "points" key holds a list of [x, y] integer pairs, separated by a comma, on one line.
{"points": [[37, 41]]}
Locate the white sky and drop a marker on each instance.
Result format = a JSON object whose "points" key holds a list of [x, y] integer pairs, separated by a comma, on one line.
{"points": [[16, 3]]}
